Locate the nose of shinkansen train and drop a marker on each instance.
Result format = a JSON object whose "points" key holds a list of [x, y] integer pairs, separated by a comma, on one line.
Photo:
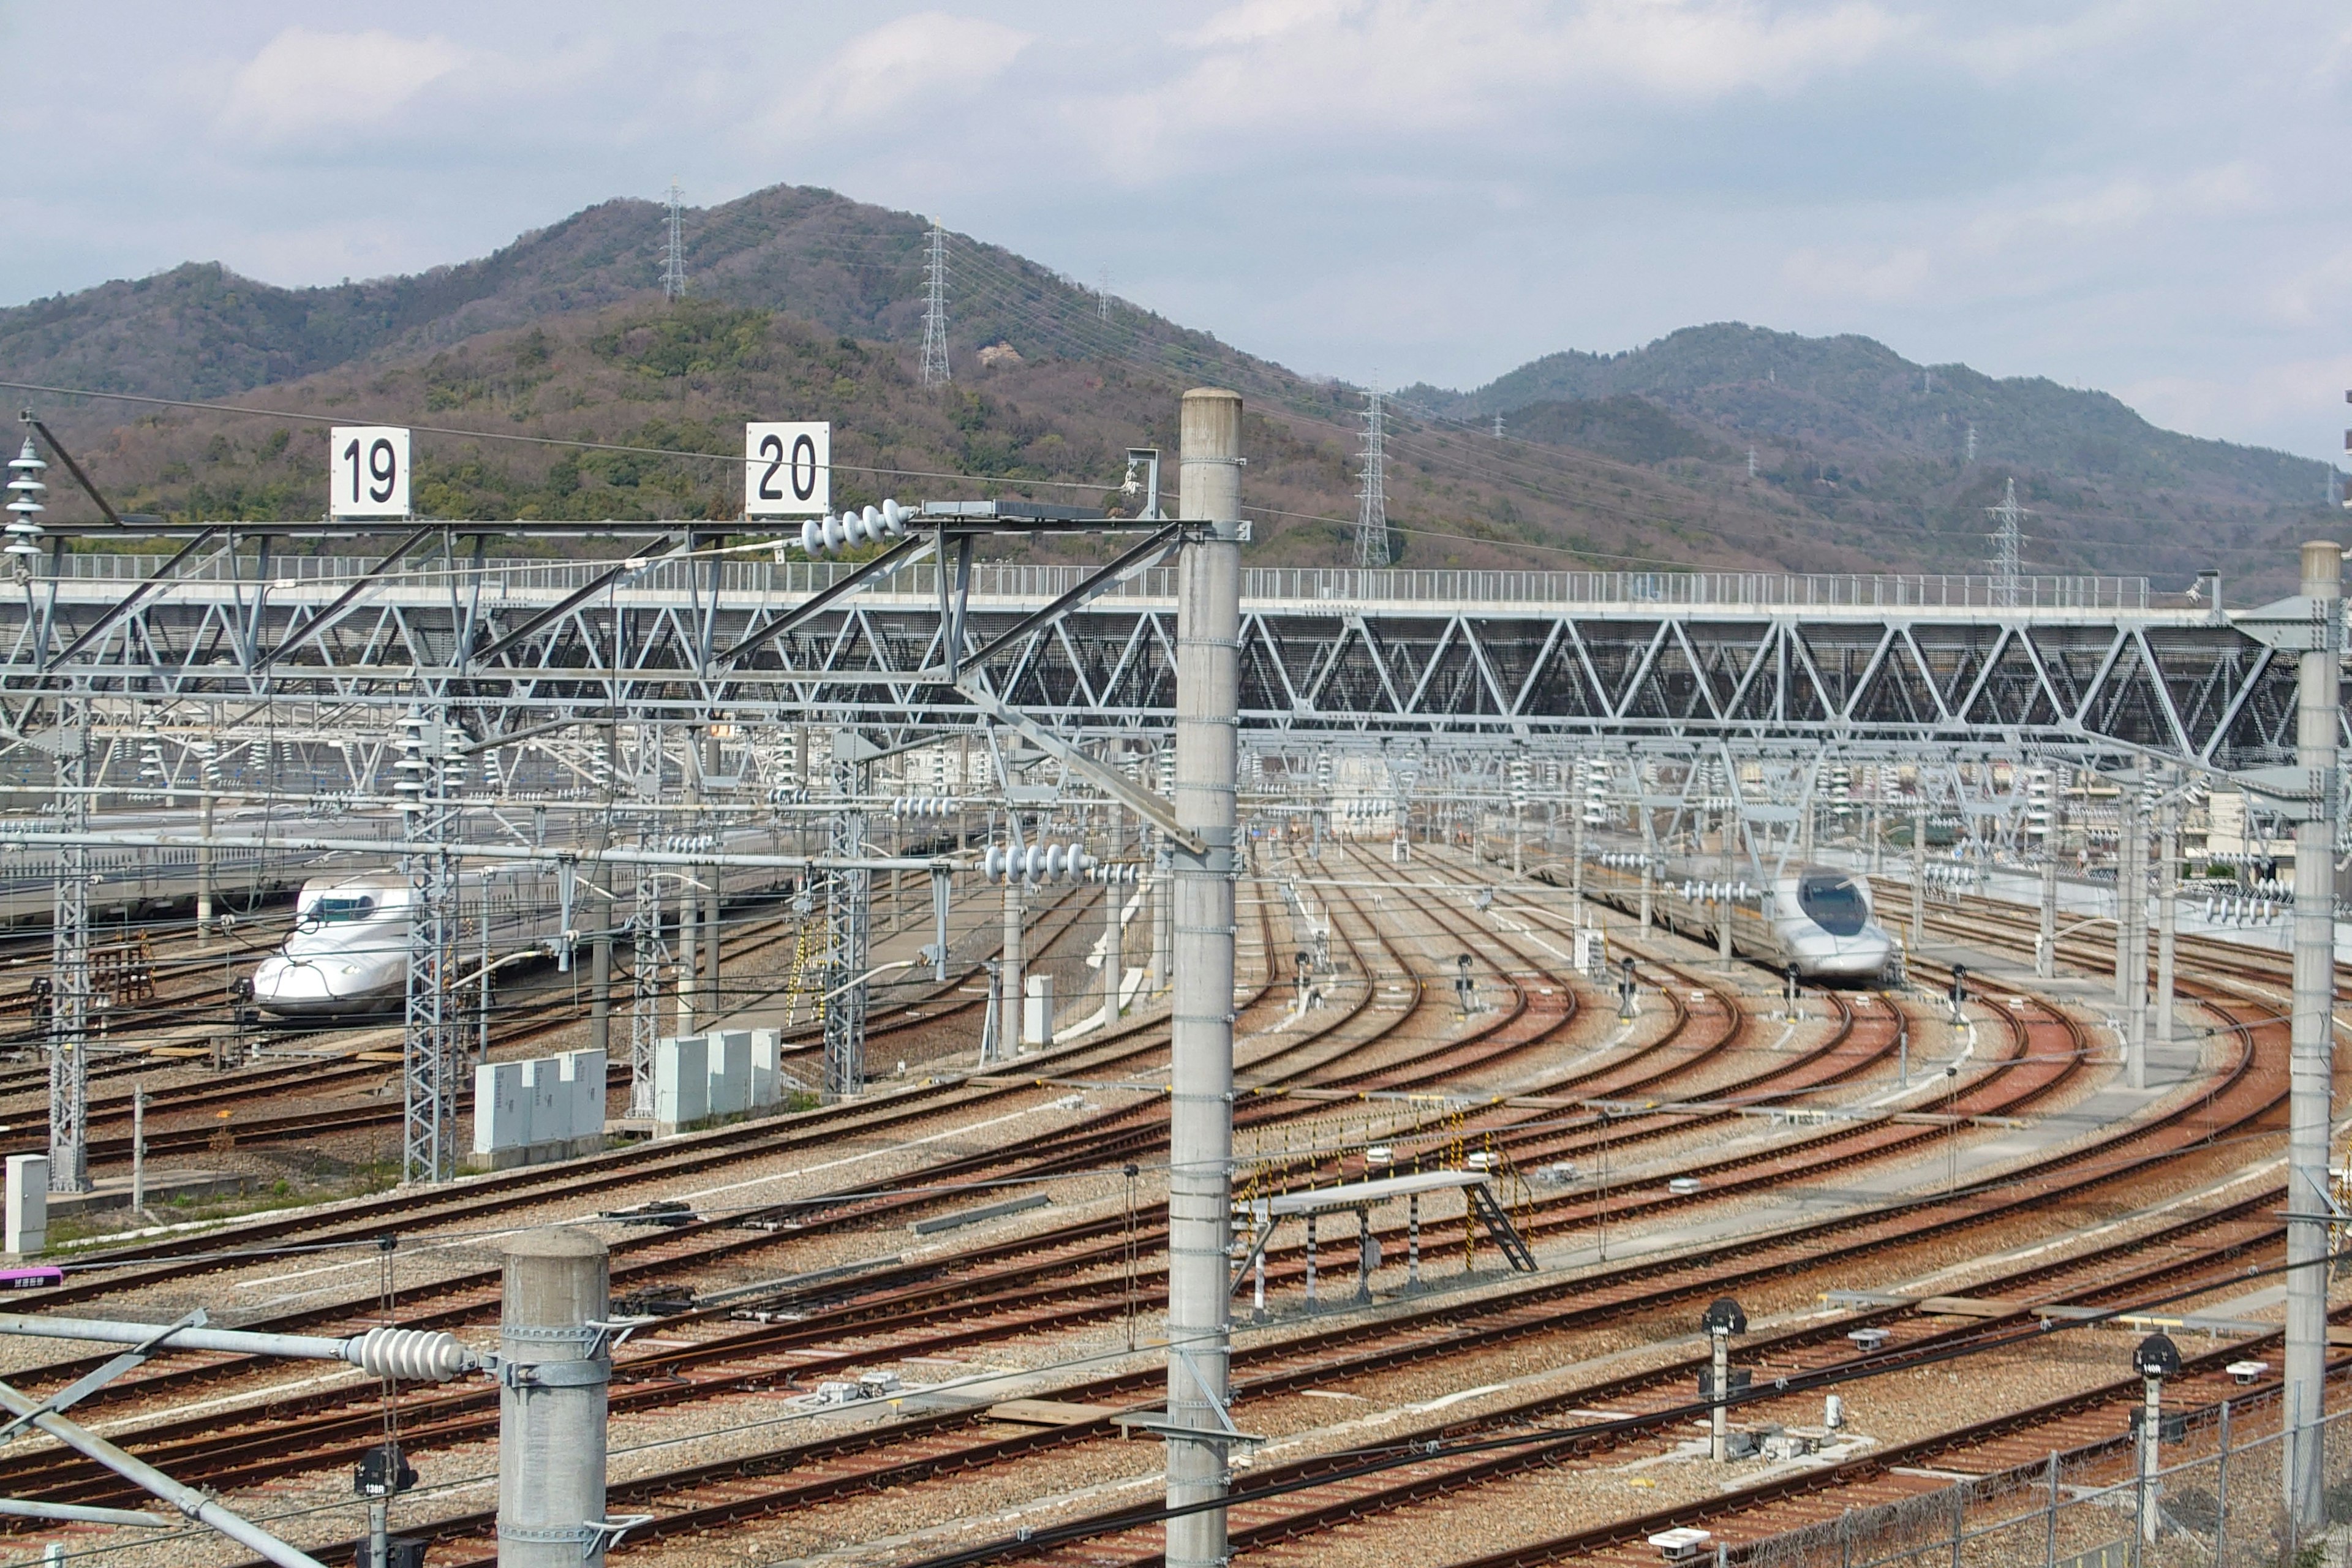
{"points": [[1818, 955], [283, 984], [1829, 934], [328, 983]]}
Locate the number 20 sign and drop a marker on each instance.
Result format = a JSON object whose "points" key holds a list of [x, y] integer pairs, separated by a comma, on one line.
{"points": [[368, 470], [787, 470]]}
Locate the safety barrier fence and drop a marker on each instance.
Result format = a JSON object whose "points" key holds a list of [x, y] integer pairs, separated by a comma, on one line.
{"points": [[793, 578], [2216, 1501]]}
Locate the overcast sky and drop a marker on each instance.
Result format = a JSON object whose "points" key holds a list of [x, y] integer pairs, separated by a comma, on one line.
{"points": [[2144, 195]]}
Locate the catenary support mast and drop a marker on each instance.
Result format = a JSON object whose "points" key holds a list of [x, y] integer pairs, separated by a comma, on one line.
{"points": [[1200, 1178], [2311, 1051]]}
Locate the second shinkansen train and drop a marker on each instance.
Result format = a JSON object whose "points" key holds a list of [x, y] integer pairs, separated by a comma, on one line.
{"points": [[347, 955], [1816, 919]]}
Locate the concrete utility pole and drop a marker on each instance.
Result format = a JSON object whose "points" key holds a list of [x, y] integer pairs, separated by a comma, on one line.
{"points": [[1649, 864], [204, 864], [2131, 960], [1114, 904], [1918, 878], [2313, 1057], [551, 1409], [1009, 962], [2167, 911], [2123, 899], [600, 901], [1580, 804], [2045, 937], [1201, 1132], [685, 959], [1163, 903], [600, 967], [710, 765], [1729, 842]]}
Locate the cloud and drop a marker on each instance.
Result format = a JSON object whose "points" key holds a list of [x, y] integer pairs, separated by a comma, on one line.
{"points": [[2012, 243], [304, 83], [1323, 68], [2133, 193], [900, 70], [2249, 402], [2312, 296], [1899, 277]]}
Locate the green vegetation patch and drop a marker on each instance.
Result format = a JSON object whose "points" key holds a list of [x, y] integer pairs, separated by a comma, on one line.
{"points": [[693, 337]]}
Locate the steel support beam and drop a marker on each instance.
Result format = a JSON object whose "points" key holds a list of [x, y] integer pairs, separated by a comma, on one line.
{"points": [[70, 990], [848, 916], [430, 1036]]}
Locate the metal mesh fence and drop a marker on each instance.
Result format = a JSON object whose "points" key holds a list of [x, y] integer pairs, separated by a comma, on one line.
{"points": [[2216, 1501]]}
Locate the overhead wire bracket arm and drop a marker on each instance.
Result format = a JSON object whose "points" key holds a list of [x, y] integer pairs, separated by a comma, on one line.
{"points": [[186, 1498], [128, 603], [75, 469], [1137, 558], [564, 606], [776, 625], [343, 601], [955, 602], [91, 1382], [1158, 812]]}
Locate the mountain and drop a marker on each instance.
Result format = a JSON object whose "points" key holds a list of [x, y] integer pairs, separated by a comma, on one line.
{"points": [[803, 303], [1851, 430], [800, 304]]}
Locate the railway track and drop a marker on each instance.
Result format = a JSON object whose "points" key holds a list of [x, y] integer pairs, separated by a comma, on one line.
{"points": [[964, 1315], [1025, 1443], [528, 1019], [906, 1453]]}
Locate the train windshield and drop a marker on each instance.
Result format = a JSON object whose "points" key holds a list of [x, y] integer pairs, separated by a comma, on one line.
{"points": [[352, 907], [1832, 902]]}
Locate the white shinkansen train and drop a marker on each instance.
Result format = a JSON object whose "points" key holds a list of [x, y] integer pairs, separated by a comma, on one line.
{"points": [[1816, 919], [348, 952]]}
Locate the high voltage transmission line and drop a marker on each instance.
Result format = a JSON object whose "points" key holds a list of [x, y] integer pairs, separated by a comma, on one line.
{"points": [[674, 253], [2007, 539], [935, 310], [1372, 515]]}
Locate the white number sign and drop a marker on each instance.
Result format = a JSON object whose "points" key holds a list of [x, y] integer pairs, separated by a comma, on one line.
{"points": [[368, 470], [788, 469]]}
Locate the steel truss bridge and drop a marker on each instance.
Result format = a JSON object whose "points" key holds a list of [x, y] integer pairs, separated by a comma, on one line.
{"points": [[2085, 670]]}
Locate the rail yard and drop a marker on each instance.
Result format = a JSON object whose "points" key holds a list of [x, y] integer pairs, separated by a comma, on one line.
{"points": [[1158, 1063]]}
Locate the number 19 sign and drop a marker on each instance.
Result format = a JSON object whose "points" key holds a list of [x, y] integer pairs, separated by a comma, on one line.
{"points": [[787, 470], [368, 469]]}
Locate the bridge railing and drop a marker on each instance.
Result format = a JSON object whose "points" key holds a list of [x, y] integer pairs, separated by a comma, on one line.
{"points": [[1304, 585]]}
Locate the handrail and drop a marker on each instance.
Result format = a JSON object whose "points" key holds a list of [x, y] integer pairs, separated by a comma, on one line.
{"points": [[794, 577]]}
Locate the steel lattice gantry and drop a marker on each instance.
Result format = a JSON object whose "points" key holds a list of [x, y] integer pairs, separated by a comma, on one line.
{"points": [[2082, 669]]}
